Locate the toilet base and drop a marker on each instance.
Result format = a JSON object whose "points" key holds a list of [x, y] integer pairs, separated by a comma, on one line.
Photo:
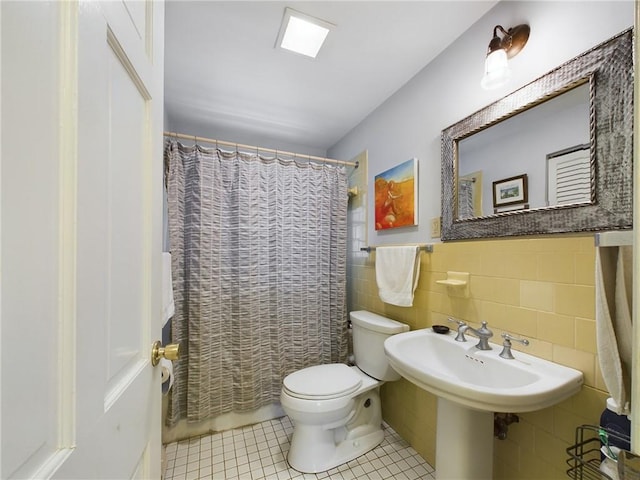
{"points": [[326, 454], [324, 437]]}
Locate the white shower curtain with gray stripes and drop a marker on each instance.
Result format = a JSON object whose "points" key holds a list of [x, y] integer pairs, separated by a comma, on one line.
{"points": [[259, 250]]}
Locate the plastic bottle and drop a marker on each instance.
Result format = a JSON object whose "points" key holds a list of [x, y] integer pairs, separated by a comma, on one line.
{"points": [[617, 436], [618, 425], [610, 469]]}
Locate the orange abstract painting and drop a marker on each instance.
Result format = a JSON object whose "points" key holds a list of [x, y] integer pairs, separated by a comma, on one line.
{"points": [[396, 199]]}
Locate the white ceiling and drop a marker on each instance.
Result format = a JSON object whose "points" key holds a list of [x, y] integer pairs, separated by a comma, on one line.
{"points": [[223, 73]]}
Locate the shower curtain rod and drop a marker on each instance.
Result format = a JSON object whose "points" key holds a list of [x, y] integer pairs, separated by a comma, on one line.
{"points": [[251, 147]]}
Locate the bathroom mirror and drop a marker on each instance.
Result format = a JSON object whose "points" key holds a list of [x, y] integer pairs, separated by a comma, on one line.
{"points": [[554, 156]]}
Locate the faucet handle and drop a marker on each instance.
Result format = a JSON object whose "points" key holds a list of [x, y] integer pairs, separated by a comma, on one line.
{"points": [[508, 338], [460, 323], [460, 335], [506, 345]]}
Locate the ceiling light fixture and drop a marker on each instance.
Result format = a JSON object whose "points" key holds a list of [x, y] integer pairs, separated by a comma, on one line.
{"points": [[301, 33], [496, 67]]}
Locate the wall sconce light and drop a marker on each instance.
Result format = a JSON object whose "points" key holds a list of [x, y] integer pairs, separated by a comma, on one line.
{"points": [[496, 68]]}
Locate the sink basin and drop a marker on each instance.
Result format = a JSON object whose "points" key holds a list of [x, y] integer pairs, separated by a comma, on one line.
{"points": [[479, 379], [471, 384]]}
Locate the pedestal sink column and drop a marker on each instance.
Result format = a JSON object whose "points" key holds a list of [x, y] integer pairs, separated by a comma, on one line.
{"points": [[464, 442]]}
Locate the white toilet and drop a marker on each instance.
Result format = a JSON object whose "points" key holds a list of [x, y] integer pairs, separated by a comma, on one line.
{"points": [[335, 409]]}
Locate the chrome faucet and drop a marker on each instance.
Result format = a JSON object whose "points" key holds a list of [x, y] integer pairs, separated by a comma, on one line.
{"points": [[506, 345], [483, 334]]}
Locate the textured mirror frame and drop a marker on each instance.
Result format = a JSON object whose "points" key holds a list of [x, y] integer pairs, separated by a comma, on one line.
{"points": [[608, 68]]}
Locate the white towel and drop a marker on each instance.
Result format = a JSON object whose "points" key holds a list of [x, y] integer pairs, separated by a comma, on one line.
{"points": [[613, 321], [168, 306], [397, 273]]}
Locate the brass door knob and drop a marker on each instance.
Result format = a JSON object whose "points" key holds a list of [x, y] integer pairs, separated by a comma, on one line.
{"points": [[170, 352]]}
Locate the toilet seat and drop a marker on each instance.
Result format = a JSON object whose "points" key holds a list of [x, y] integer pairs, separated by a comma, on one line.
{"points": [[322, 382]]}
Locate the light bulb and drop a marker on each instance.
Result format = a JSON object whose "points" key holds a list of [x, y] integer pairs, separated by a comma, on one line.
{"points": [[496, 70]]}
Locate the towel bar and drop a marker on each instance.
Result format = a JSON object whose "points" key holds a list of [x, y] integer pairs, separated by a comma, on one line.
{"points": [[615, 238], [427, 248]]}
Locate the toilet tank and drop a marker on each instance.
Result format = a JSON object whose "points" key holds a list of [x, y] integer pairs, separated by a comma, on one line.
{"points": [[370, 330]]}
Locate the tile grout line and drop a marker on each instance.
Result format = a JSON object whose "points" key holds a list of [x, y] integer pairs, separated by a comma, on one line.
{"points": [[258, 452]]}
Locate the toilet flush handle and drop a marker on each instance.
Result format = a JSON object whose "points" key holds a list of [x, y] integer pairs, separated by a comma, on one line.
{"points": [[170, 352]]}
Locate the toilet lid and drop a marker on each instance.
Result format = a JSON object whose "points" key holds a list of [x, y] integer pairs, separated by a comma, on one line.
{"points": [[322, 382]]}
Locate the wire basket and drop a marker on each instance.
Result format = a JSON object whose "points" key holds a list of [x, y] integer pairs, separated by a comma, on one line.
{"points": [[585, 455]]}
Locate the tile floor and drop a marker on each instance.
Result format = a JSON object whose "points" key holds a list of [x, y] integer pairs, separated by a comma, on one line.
{"points": [[259, 452]]}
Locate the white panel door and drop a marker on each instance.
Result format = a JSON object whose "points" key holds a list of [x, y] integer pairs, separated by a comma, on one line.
{"points": [[80, 244]]}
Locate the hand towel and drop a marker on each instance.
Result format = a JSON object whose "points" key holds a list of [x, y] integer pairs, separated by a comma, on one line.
{"points": [[622, 319], [613, 321], [168, 305], [397, 273]]}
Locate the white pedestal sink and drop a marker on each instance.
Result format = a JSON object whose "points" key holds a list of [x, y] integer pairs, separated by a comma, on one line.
{"points": [[471, 384], [464, 442]]}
